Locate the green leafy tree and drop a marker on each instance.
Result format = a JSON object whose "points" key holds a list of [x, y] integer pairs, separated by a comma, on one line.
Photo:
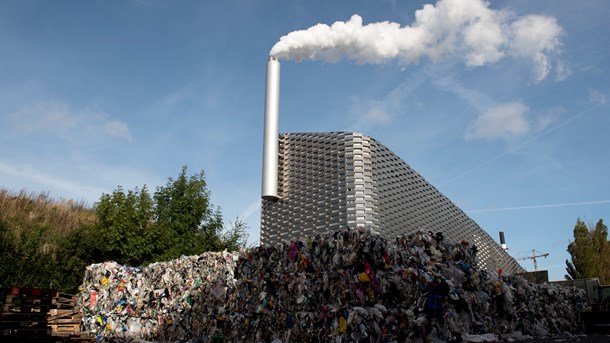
{"points": [[581, 250], [74, 254], [186, 218], [601, 249], [590, 252], [135, 228], [124, 220]]}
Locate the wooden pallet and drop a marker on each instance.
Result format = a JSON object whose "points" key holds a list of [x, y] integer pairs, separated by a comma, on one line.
{"points": [[25, 334], [56, 314], [23, 314], [39, 315], [64, 301], [64, 322], [32, 292], [22, 322], [20, 299], [11, 319], [12, 308], [63, 330]]}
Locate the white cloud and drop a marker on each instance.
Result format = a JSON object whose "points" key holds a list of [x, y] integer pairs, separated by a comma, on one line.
{"points": [[470, 28], [117, 129], [57, 118], [484, 39], [535, 37], [598, 97], [502, 121]]}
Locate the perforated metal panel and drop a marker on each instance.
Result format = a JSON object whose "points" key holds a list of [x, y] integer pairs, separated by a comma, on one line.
{"points": [[331, 181]]}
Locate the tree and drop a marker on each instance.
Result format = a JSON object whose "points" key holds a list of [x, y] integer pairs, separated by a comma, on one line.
{"points": [[179, 219], [184, 212], [124, 221], [590, 252], [235, 238], [601, 250]]}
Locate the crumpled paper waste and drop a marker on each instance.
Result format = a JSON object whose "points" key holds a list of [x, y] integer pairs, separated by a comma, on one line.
{"points": [[351, 285]]}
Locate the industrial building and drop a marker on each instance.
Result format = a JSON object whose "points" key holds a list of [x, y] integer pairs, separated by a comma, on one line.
{"points": [[339, 180], [317, 182]]}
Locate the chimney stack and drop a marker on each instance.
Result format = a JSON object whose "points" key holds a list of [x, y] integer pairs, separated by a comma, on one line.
{"points": [[502, 241], [271, 135]]}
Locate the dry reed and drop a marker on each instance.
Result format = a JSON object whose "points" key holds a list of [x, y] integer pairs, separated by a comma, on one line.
{"points": [[23, 211]]}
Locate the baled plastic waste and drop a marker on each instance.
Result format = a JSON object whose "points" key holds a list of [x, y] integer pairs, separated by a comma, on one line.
{"points": [[351, 285]]}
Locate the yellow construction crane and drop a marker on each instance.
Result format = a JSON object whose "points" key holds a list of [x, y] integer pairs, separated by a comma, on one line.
{"points": [[533, 256]]}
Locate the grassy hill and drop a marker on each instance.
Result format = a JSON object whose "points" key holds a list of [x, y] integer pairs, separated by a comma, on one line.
{"points": [[22, 210], [43, 241]]}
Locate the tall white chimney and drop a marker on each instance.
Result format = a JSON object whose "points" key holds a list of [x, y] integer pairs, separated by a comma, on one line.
{"points": [[271, 135]]}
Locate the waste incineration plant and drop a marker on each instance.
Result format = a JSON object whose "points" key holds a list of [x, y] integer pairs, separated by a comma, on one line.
{"points": [[316, 182]]}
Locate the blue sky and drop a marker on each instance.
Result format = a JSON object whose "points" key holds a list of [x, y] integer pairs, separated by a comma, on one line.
{"points": [[96, 94]]}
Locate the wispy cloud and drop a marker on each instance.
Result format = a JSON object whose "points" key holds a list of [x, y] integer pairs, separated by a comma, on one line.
{"points": [[495, 121], [117, 129], [253, 208], [32, 175], [508, 120], [545, 120], [43, 116], [479, 100], [368, 113], [59, 118], [562, 71], [501, 121], [515, 148], [177, 97], [598, 97]]}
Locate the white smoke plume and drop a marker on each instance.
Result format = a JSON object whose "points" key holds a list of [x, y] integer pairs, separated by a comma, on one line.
{"points": [[468, 29]]}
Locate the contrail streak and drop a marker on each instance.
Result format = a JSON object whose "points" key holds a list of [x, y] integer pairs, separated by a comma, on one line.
{"points": [[540, 206]]}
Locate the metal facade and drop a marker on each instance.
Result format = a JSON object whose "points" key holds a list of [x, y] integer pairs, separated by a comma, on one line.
{"points": [[331, 181]]}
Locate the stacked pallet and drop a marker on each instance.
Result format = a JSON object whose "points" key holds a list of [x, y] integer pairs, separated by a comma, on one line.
{"points": [[39, 315], [24, 314], [63, 318]]}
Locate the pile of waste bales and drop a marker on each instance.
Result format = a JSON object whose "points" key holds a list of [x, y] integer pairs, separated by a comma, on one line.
{"points": [[163, 301], [342, 286]]}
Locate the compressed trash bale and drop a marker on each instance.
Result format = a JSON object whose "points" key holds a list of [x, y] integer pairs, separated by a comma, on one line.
{"points": [[164, 301], [350, 285]]}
